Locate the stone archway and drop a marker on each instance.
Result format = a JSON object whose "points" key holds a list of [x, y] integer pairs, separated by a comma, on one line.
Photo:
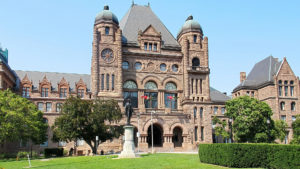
{"points": [[177, 138], [157, 136]]}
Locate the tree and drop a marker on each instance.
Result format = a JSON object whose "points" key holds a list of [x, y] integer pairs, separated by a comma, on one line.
{"points": [[281, 128], [220, 128], [82, 119], [296, 131], [20, 119], [250, 118]]}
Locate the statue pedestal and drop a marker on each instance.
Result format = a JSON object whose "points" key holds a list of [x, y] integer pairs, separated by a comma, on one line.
{"points": [[128, 147]]}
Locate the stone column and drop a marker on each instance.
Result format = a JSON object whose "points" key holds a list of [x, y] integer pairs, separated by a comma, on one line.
{"points": [[95, 65], [119, 82], [185, 67]]}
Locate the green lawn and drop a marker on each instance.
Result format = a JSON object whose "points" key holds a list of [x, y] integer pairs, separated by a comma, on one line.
{"points": [[151, 161]]}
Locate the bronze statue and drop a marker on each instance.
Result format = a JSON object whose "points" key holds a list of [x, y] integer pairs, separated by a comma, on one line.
{"points": [[128, 111]]}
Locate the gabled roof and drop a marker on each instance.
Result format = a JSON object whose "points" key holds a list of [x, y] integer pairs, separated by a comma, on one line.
{"points": [[139, 18], [261, 74], [217, 96], [54, 78]]}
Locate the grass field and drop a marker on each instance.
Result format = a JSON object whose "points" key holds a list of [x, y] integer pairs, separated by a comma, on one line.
{"points": [[151, 161]]}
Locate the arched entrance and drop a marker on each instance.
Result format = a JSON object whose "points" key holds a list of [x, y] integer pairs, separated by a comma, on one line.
{"points": [[177, 138], [135, 138], [157, 136]]}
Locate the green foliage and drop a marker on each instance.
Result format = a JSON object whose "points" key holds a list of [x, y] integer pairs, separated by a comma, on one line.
{"points": [[20, 119], [251, 155], [220, 127], [296, 131], [56, 152], [82, 119], [23, 154], [281, 128], [250, 120], [66, 153], [8, 155]]}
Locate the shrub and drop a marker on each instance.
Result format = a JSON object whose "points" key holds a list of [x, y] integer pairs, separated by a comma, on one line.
{"points": [[54, 152], [251, 155], [23, 154], [66, 152], [8, 155]]}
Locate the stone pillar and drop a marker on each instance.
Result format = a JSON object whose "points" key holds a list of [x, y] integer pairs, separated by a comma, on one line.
{"points": [[185, 67], [119, 82], [95, 65], [128, 147]]}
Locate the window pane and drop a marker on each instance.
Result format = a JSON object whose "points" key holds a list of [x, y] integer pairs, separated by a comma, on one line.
{"points": [[201, 112], [280, 90], [163, 67], [292, 90], [113, 82], [223, 110], [133, 96], [152, 101], [125, 65], [48, 107], [145, 46], [150, 46], [195, 38], [41, 106], [106, 30], [155, 47], [138, 65], [130, 85], [215, 110], [58, 107], [175, 68], [102, 81], [171, 86], [151, 86], [171, 99], [285, 90], [107, 81]]}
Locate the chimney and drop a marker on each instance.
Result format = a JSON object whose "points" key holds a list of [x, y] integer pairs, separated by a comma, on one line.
{"points": [[242, 76]]}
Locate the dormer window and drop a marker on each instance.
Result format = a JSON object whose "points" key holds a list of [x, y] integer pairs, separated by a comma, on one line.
{"points": [[145, 46], [25, 92], [155, 47], [80, 93], [195, 38], [150, 46], [44, 92], [106, 30], [63, 92]]}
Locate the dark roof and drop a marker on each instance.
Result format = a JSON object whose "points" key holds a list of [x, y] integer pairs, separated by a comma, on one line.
{"points": [[106, 16], [217, 96], [261, 74], [54, 78], [139, 18]]}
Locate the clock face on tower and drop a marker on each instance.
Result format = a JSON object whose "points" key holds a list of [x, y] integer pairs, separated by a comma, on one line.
{"points": [[107, 55]]}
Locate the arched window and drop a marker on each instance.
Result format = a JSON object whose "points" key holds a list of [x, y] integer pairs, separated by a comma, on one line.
{"points": [[293, 106], [171, 95], [151, 95], [201, 112], [195, 63], [282, 105], [292, 88], [280, 88], [130, 92], [286, 88], [195, 112]]}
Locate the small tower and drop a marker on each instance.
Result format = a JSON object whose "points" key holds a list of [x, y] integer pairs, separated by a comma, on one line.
{"points": [[106, 70], [196, 69]]}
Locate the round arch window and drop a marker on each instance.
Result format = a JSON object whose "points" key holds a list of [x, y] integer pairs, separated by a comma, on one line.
{"points": [[163, 67], [138, 66], [125, 65], [175, 68]]}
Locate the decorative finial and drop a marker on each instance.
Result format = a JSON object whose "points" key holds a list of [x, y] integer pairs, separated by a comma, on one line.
{"points": [[189, 18], [106, 7]]}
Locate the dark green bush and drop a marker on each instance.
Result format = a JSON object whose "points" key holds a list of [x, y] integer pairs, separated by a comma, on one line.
{"points": [[251, 155], [54, 152], [8, 155]]}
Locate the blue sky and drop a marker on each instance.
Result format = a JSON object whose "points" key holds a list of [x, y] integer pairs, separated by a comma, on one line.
{"points": [[56, 35]]}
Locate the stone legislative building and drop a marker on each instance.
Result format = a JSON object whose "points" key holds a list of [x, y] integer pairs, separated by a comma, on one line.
{"points": [[137, 59], [275, 83]]}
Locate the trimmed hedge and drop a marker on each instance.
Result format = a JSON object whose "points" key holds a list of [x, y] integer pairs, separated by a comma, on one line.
{"points": [[57, 152], [251, 155]]}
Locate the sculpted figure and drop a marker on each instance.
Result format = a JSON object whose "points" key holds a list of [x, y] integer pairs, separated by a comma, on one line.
{"points": [[128, 111]]}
